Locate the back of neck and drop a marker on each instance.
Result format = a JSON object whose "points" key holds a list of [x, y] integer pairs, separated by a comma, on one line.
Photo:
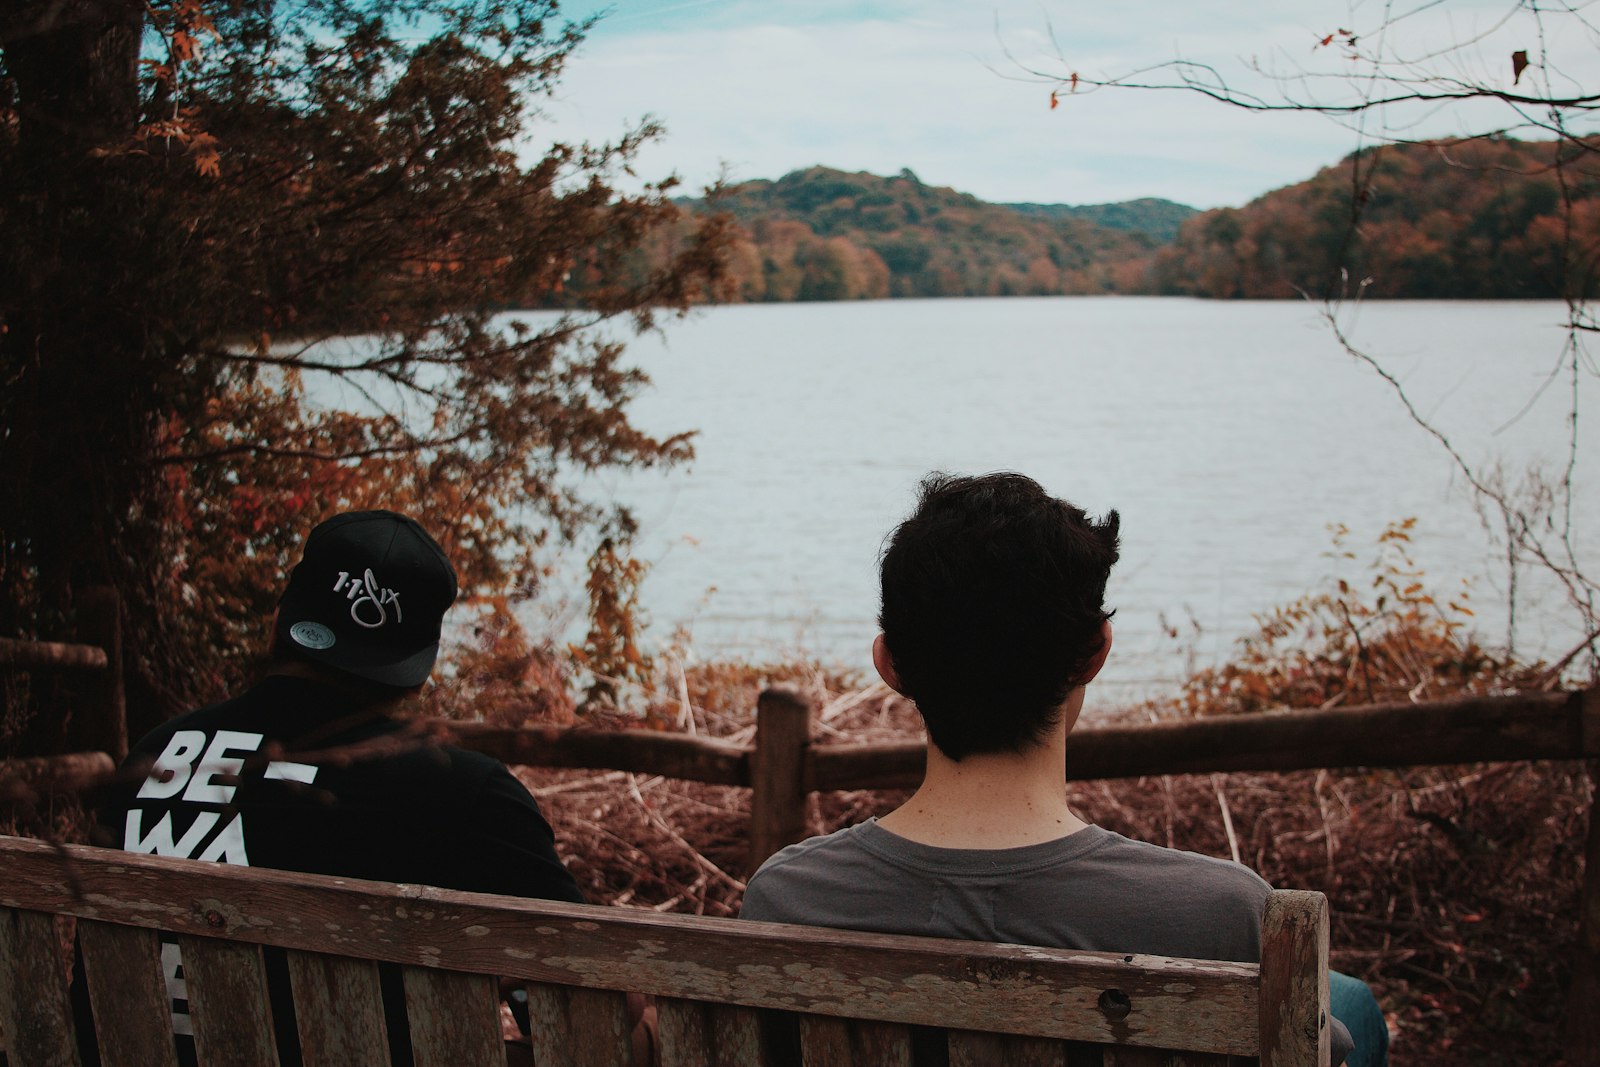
{"points": [[996, 800]]}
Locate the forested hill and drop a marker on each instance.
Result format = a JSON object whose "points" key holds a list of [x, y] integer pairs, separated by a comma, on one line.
{"points": [[1158, 218], [1481, 219], [823, 234]]}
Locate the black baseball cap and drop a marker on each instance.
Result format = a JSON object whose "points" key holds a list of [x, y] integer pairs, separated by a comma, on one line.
{"points": [[367, 598]]}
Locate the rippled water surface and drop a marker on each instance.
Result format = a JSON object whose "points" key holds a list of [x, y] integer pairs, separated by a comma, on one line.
{"points": [[1229, 436]]}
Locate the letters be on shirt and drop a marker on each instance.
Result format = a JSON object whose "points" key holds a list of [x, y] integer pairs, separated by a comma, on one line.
{"points": [[192, 784]]}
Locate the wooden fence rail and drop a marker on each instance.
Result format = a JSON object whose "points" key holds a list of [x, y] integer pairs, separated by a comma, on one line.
{"points": [[51, 656], [692, 759], [783, 767], [100, 718], [1533, 726]]}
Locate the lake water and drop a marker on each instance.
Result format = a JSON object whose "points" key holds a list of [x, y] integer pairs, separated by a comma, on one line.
{"points": [[1229, 436]]}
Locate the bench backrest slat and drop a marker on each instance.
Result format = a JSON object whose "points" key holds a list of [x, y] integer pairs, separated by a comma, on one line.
{"points": [[578, 1027], [128, 995], [226, 987], [683, 1033], [735, 1034], [918, 981], [454, 1018], [600, 1019], [691, 1033], [1149, 1057], [548, 1019], [825, 1039], [832, 1040], [338, 1010], [35, 1015], [579, 961], [881, 1044], [969, 1049]]}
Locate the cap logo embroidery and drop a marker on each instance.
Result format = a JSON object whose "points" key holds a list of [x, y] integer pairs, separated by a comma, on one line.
{"points": [[368, 599]]}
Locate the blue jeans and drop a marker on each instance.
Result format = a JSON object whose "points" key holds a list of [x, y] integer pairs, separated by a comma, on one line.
{"points": [[1352, 1003]]}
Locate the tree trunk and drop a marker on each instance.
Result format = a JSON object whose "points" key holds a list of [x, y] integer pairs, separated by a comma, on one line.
{"points": [[71, 349]]}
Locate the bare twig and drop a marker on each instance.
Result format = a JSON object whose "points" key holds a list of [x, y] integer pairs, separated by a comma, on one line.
{"points": [[1227, 817], [695, 854]]}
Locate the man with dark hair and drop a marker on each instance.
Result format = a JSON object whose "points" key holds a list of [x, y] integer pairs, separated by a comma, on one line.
{"points": [[993, 597], [309, 770], [994, 624]]}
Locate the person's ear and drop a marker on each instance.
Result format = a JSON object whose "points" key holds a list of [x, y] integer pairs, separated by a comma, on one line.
{"points": [[885, 664], [1099, 659]]}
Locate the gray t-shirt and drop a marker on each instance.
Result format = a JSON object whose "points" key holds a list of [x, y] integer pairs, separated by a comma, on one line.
{"points": [[1093, 890]]}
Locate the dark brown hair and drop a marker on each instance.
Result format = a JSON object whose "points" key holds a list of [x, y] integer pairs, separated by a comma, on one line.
{"points": [[993, 605]]}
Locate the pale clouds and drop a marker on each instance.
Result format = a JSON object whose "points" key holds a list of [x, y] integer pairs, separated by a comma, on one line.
{"points": [[764, 88]]}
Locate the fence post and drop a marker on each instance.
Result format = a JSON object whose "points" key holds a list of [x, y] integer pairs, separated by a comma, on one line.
{"points": [[101, 724], [1583, 1001], [777, 772]]}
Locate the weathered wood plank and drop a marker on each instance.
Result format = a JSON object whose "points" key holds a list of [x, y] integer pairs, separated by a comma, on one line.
{"points": [[1151, 1057], [547, 1020], [1137, 1057], [454, 1019], [35, 1012], [880, 1044], [1294, 981], [1528, 726], [916, 981], [338, 1011], [735, 1036], [695, 1034], [825, 1042], [970, 1048], [599, 1021], [228, 1002], [694, 759], [1035, 1052], [127, 995], [683, 1032]]}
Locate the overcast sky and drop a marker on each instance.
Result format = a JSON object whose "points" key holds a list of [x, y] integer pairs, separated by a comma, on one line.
{"points": [[763, 87]]}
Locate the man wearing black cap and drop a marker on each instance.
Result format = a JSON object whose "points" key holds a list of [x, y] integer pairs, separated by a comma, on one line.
{"points": [[308, 771]]}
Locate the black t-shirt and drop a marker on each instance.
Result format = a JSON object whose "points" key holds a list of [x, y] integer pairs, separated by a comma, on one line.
{"points": [[289, 776]]}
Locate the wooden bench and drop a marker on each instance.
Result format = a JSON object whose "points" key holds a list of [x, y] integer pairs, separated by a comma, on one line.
{"points": [[836, 997]]}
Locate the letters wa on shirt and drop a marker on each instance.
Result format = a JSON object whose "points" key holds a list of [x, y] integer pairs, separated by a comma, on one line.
{"points": [[200, 769]]}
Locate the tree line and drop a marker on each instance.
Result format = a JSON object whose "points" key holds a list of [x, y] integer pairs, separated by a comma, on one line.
{"points": [[1488, 218], [824, 234], [1480, 219]]}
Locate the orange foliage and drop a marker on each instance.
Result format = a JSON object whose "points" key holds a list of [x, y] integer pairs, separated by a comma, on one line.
{"points": [[1480, 219], [1388, 639]]}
